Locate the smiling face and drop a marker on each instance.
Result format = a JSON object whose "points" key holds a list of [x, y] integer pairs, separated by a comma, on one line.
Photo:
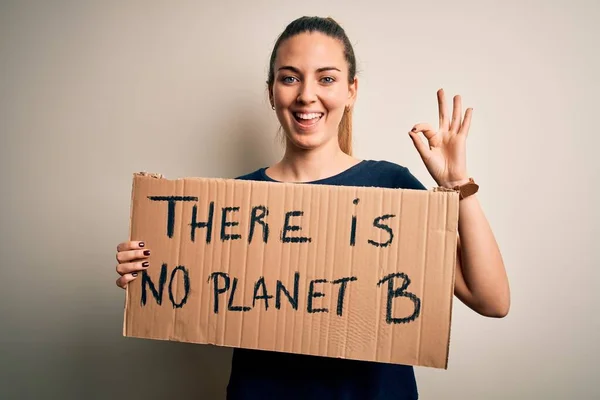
{"points": [[311, 89]]}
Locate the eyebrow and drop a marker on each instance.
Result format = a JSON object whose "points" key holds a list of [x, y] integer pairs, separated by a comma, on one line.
{"points": [[296, 70]]}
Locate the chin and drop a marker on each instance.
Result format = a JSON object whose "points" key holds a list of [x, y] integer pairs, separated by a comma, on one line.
{"points": [[307, 141]]}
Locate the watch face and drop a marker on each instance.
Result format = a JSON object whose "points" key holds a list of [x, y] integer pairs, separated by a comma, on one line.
{"points": [[468, 189]]}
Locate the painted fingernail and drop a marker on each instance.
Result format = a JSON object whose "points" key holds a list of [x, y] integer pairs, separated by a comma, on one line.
{"points": [[145, 264], [146, 252], [413, 130], [134, 274], [142, 244]]}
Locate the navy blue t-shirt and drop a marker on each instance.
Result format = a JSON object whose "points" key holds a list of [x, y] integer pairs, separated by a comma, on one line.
{"points": [[263, 375]]}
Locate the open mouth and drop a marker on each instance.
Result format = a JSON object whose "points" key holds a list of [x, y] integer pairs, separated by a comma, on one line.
{"points": [[307, 119]]}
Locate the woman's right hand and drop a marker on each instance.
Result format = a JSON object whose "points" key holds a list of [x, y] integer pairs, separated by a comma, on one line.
{"points": [[131, 258]]}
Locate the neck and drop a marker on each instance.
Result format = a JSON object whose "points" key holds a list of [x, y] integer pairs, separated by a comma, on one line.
{"points": [[299, 165]]}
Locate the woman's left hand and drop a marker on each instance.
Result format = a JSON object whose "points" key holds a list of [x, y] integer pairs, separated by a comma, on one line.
{"points": [[445, 153]]}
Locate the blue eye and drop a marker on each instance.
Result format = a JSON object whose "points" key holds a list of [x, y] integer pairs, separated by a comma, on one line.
{"points": [[288, 79], [328, 79]]}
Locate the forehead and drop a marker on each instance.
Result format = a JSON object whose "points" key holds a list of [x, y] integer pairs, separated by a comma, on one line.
{"points": [[311, 51]]}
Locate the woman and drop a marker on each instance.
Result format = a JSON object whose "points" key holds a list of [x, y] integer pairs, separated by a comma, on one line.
{"points": [[312, 88]]}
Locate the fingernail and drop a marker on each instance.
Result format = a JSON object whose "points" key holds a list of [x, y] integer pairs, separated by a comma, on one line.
{"points": [[145, 264], [146, 252], [142, 244], [413, 130], [134, 274]]}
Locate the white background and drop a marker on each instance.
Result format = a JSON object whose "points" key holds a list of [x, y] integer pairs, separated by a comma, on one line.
{"points": [[91, 92]]}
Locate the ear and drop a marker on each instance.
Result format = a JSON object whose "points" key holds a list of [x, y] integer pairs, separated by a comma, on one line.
{"points": [[352, 92], [271, 99]]}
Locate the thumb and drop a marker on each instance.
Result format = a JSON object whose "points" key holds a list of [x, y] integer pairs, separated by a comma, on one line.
{"points": [[422, 147]]}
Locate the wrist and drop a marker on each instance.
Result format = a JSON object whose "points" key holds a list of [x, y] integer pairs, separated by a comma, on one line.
{"points": [[453, 183]]}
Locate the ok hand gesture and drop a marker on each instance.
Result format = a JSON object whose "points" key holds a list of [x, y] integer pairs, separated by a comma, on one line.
{"points": [[444, 154]]}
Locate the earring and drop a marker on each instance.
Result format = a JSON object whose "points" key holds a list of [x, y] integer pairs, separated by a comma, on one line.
{"points": [[272, 106]]}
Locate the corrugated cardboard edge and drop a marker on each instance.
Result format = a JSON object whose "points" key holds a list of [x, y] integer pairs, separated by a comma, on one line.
{"points": [[152, 175], [451, 305], [443, 189]]}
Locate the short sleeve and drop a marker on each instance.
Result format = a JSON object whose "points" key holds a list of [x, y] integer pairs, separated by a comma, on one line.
{"points": [[406, 180]]}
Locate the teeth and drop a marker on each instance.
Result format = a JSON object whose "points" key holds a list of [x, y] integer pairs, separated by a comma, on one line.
{"points": [[308, 116]]}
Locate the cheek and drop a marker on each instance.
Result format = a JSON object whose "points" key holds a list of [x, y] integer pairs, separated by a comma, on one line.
{"points": [[335, 99], [284, 95]]}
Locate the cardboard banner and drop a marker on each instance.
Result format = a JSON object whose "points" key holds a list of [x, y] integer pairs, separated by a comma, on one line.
{"points": [[350, 272]]}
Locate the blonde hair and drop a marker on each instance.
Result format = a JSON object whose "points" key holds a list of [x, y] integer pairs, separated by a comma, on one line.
{"points": [[345, 131]]}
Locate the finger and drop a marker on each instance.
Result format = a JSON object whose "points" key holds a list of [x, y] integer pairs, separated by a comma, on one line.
{"points": [[422, 147], [426, 129], [123, 281], [127, 268], [444, 123], [464, 129], [133, 245], [131, 255], [456, 114]]}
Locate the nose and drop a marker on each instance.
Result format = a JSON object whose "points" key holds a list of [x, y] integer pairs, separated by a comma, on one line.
{"points": [[307, 93]]}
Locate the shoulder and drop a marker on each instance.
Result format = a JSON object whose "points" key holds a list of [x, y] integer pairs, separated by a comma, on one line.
{"points": [[395, 175], [385, 166]]}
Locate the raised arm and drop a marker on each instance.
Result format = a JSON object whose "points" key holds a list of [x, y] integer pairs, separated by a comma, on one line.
{"points": [[481, 280]]}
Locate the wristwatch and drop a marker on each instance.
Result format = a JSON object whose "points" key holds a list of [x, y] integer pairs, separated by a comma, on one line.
{"points": [[466, 189]]}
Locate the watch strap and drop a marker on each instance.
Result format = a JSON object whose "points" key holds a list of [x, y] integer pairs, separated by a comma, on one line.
{"points": [[467, 189]]}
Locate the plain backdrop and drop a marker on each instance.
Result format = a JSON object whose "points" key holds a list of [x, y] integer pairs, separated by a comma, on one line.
{"points": [[91, 92]]}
